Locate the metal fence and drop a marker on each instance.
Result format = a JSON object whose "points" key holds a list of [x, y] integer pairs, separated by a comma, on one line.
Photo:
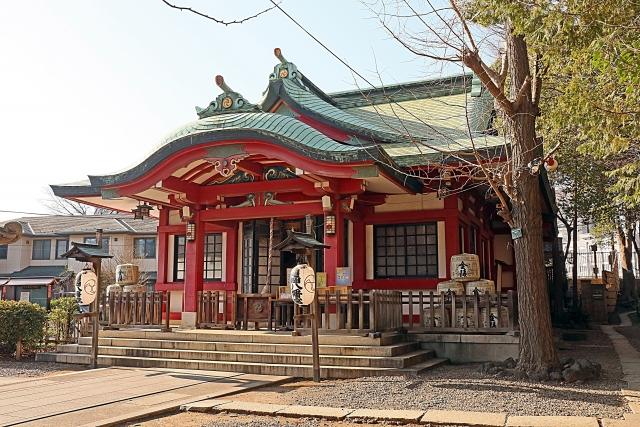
{"points": [[603, 260]]}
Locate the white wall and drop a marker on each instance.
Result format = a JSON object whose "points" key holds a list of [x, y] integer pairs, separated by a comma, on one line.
{"points": [[410, 202]]}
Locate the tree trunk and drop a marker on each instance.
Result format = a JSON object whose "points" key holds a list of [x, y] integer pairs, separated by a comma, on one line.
{"points": [[537, 350], [559, 281], [625, 242]]}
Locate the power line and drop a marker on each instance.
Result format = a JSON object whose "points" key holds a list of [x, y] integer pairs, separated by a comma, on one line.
{"points": [[322, 44], [29, 213]]}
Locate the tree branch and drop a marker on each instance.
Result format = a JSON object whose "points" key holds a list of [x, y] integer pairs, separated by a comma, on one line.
{"points": [[216, 20], [472, 60], [463, 21]]}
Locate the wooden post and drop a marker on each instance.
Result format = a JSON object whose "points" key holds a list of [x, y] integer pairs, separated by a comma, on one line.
{"points": [[96, 310], [315, 345], [167, 310]]}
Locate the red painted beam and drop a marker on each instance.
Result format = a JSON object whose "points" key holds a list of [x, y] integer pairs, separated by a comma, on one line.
{"points": [[254, 212]]}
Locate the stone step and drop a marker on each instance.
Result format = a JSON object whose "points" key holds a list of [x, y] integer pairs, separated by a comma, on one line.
{"points": [[251, 368], [345, 350], [264, 337], [428, 364], [73, 358], [401, 361]]}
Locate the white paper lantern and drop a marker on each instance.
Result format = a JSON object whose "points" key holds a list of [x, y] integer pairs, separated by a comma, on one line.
{"points": [[302, 283], [86, 287]]}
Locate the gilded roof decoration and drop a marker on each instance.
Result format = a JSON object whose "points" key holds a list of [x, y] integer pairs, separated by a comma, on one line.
{"points": [[228, 101], [274, 173], [285, 69]]}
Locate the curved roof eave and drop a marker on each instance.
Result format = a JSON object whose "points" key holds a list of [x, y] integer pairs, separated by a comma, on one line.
{"points": [[277, 129], [75, 190]]}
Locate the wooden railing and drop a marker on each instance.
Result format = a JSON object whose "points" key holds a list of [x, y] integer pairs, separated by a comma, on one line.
{"points": [[81, 326], [358, 311], [448, 312], [216, 309], [138, 309]]}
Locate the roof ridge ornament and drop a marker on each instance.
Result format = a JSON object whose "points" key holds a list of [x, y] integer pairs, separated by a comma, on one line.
{"points": [[229, 101], [285, 69]]}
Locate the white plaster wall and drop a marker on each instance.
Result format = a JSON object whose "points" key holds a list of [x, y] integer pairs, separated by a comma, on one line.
{"points": [[174, 217], [170, 250], [176, 301], [369, 251], [410, 202]]}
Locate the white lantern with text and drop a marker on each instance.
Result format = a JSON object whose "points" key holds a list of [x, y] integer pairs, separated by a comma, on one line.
{"points": [[302, 282]]}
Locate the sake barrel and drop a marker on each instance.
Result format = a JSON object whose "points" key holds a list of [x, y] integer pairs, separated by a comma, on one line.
{"points": [[438, 321], [493, 315], [483, 286], [451, 285], [465, 267], [127, 274]]}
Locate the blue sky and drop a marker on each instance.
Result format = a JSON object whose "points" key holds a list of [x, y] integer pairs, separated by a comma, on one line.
{"points": [[91, 86]]}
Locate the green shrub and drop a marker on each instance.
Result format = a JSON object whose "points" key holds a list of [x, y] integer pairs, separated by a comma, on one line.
{"points": [[61, 318], [21, 320]]}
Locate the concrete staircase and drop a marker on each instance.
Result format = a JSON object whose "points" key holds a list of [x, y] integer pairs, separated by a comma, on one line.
{"points": [[254, 352]]}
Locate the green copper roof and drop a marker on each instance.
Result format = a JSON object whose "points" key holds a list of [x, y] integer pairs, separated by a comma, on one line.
{"points": [[277, 124], [275, 128]]}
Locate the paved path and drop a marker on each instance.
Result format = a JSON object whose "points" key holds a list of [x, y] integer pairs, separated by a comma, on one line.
{"points": [[95, 397], [630, 361]]}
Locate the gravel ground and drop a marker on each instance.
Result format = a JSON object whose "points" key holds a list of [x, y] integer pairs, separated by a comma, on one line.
{"points": [[29, 368], [462, 387], [191, 419]]}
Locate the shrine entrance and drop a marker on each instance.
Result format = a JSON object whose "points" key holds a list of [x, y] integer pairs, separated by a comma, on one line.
{"points": [[256, 250]]}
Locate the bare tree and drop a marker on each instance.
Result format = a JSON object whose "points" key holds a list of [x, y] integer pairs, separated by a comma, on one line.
{"points": [[445, 34], [59, 206]]}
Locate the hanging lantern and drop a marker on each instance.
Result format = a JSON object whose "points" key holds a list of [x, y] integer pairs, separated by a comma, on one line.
{"points": [[141, 211], [191, 230], [330, 224]]}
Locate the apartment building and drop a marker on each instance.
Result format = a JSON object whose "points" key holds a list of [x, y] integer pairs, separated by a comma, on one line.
{"points": [[33, 269]]}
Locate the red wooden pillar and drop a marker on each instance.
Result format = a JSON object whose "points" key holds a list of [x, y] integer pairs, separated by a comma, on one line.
{"points": [[163, 246], [232, 261], [194, 259], [359, 252], [451, 230], [334, 255]]}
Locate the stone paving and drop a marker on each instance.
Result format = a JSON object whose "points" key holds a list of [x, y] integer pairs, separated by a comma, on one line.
{"points": [[93, 396], [629, 359], [630, 362]]}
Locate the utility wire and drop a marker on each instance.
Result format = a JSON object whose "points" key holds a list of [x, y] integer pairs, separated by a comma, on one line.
{"points": [[28, 213]]}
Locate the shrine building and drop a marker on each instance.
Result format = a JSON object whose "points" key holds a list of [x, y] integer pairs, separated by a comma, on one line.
{"points": [[376, 175]]}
